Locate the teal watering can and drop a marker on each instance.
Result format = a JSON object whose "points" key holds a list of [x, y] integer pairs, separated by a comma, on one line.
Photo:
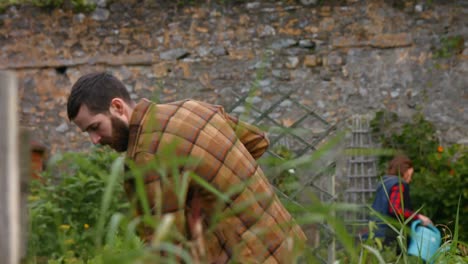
{"points": [[424, 240]]}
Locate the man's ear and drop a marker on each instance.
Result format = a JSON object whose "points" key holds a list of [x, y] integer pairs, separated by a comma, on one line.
{"points": [[117, 107]]}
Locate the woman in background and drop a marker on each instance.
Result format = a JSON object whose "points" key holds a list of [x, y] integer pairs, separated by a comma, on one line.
{"points": [[393, 197]]}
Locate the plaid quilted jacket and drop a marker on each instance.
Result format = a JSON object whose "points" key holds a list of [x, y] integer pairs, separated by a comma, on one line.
{"points": [[240, 219]]}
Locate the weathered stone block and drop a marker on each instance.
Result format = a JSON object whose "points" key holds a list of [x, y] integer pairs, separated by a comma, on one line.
{"points": [[292, 62], [391, 40], [348, 42], [312, 61]]}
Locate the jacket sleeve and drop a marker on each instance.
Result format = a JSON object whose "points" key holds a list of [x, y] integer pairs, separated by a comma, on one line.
{"points": [[252, 137], [164, 194], [396, 206]]}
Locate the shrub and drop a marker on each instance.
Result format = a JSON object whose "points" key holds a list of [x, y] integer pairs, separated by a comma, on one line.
{"points": [[65, 209]]}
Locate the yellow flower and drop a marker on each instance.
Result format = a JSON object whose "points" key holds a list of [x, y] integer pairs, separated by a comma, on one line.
{"points": [[440, 149], [64, 227], [33, 198], [86, 226], [69, 241]]}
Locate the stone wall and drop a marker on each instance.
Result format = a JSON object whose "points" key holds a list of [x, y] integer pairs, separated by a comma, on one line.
{"points": [[343, 58]]}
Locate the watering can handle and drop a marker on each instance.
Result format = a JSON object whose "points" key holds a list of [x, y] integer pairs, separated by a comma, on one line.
{"points": [[416, 223]]}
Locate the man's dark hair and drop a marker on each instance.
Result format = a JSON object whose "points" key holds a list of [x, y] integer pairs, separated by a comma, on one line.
{"points": [[398, 165], [96, 91]]}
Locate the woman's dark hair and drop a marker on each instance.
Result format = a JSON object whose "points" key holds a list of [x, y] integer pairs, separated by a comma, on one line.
{"points": [[398, 165], [96, 91]]}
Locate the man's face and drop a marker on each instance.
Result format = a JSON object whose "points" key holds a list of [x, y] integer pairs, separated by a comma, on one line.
{"points": [[103, 129]]}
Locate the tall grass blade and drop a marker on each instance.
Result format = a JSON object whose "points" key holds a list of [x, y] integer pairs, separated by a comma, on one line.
{"points": [[113, 228], [116, 170], [375, 252], [202, 182], [453, 249], [175, 250]]}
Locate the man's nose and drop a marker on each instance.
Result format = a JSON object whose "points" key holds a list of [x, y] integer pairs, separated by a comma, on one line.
{"points": [[95, 138]]}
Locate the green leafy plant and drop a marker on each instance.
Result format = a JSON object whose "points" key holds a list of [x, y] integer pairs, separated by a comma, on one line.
{"points": [[64, 209]]}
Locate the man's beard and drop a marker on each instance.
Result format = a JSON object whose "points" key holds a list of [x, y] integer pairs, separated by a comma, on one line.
{"points": [[120, 134]]}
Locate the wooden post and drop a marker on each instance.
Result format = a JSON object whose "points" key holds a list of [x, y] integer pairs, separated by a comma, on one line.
{"points": [[25, 175], [10, 224]]}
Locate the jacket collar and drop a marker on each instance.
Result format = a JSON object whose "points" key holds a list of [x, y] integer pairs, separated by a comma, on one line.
{"points": [[136, 123], [139, 111]]}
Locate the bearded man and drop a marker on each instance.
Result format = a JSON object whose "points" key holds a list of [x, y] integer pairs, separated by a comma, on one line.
{"points": [[255, 227]]}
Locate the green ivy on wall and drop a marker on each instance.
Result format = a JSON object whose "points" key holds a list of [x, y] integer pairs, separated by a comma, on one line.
{"points": [[75, 5]]}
